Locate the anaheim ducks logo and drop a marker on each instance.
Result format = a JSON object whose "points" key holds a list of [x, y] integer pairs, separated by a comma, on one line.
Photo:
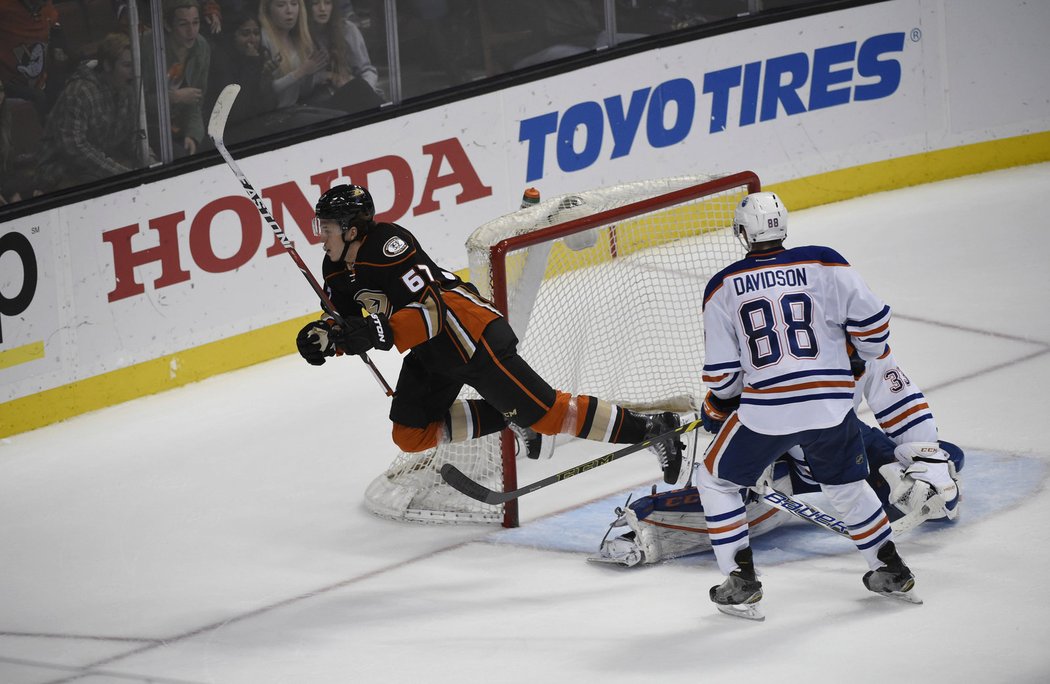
{"points": [[374, 302], [394, 246]]}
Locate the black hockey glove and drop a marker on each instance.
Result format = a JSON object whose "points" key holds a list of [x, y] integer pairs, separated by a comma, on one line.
{"points": [[316, 341], [857, 365], [370, 332], [714, 411]]}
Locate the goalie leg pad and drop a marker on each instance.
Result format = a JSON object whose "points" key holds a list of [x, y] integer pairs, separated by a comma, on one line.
{"points": [[672, 524]]}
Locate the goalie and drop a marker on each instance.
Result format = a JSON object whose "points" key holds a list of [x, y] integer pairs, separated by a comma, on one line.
{"points": [[909, 466]]}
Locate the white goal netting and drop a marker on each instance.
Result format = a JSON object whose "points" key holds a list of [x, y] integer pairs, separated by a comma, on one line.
{"points": [[604, 289]]}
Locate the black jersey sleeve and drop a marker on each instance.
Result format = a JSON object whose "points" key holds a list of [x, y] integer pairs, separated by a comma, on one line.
{"points": [[393, 275]]}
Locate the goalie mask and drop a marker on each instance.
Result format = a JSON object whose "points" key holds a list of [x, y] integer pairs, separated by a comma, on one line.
{"points": [[760, 217], [348, 204]]}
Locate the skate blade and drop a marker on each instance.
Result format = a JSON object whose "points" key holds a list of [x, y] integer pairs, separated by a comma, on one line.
{"points": [[748, 611], [906, 596], [627, 561]]}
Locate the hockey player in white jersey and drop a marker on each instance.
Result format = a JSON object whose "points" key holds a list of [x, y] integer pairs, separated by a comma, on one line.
{"points": [[918, 469], [671, 523], [776, 325]]}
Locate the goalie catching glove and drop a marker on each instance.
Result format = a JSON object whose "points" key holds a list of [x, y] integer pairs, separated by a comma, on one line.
{"points": [[321, 339], [924, 474]]}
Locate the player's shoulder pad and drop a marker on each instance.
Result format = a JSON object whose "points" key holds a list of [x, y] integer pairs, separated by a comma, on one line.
{"points": [[818, 253], [386, 244], [746, 264], [716, 282]]}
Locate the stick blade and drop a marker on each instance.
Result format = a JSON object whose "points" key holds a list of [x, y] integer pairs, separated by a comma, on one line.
{"points": [[221, 111], [461, 483]]}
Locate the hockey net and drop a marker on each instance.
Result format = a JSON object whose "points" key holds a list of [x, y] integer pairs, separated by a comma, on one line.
{"points": [[604, 290]]}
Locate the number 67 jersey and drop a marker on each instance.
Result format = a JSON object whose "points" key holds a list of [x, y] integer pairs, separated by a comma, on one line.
{"points": [[775, 327], [393, 276]]}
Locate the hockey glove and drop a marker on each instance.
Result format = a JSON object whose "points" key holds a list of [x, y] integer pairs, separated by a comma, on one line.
{"points": [[857, 365], [316, 341], [370, 332], [714, 411]]}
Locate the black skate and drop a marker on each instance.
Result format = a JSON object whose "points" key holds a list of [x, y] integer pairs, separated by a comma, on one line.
{"points": [[741, 592], [530, 440], [668, 451], [893, 580]]}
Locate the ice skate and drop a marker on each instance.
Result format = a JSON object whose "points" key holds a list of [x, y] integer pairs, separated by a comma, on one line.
{"points": [[530, 441], [893, 580], [669, 451], [740, 593]]}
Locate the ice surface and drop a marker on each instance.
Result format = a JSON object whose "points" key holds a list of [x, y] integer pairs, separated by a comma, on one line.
{"points": [[214, 533]]}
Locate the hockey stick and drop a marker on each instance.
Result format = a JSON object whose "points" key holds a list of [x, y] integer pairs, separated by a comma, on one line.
{"points": [[810, 513], [216, 126], [460, 482]]}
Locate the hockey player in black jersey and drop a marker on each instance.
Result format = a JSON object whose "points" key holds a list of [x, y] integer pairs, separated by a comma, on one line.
{"points": [[451, 337]]}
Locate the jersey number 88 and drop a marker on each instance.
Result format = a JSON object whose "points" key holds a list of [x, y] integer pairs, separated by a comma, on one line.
{"points": [[764, 330]]}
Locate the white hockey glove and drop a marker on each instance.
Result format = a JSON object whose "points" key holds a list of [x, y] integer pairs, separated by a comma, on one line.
{"points": [[923, 472]]}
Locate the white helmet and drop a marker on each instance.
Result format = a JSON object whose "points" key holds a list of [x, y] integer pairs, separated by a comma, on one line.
{"points": [[760, 217]]}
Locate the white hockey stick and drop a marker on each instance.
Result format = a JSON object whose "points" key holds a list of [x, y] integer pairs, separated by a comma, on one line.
{"points": [[810, 513], [216, 126]]}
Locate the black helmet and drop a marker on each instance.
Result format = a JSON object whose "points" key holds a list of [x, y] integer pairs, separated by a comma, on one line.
{"points": [[345, 204]]}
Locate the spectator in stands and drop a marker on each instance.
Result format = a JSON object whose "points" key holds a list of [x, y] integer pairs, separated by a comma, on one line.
{"points": [[25, 32], [349, 83], [213, 16], [240, 58], [188, 58], [286, 35], [92, 132]]}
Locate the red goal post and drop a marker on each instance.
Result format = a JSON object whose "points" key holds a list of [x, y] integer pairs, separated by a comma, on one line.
{"points": [[603, 289]]}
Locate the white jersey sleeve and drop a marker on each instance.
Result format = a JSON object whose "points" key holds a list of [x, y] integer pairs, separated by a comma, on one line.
{"points": [[780, 321], [898, 404]]}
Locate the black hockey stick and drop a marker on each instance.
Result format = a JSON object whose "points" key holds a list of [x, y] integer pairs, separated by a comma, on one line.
{"points": [[216, 126], [460, 482]]}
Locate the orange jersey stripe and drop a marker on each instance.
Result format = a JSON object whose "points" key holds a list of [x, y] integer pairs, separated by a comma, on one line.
{"points": [[882, 523], [726, 528], [801, 386], [899, 418], [510, 375], [723, 435], [871, 332]]}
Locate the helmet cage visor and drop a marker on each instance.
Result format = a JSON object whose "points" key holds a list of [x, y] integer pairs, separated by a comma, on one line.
{"points": [[320, 229]]}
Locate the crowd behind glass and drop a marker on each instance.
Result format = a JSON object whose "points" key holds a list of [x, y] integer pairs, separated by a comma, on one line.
{"points": [[82, 100]]}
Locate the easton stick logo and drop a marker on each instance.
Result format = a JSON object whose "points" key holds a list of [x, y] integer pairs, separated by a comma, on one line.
{"points": [[276, 227]]}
